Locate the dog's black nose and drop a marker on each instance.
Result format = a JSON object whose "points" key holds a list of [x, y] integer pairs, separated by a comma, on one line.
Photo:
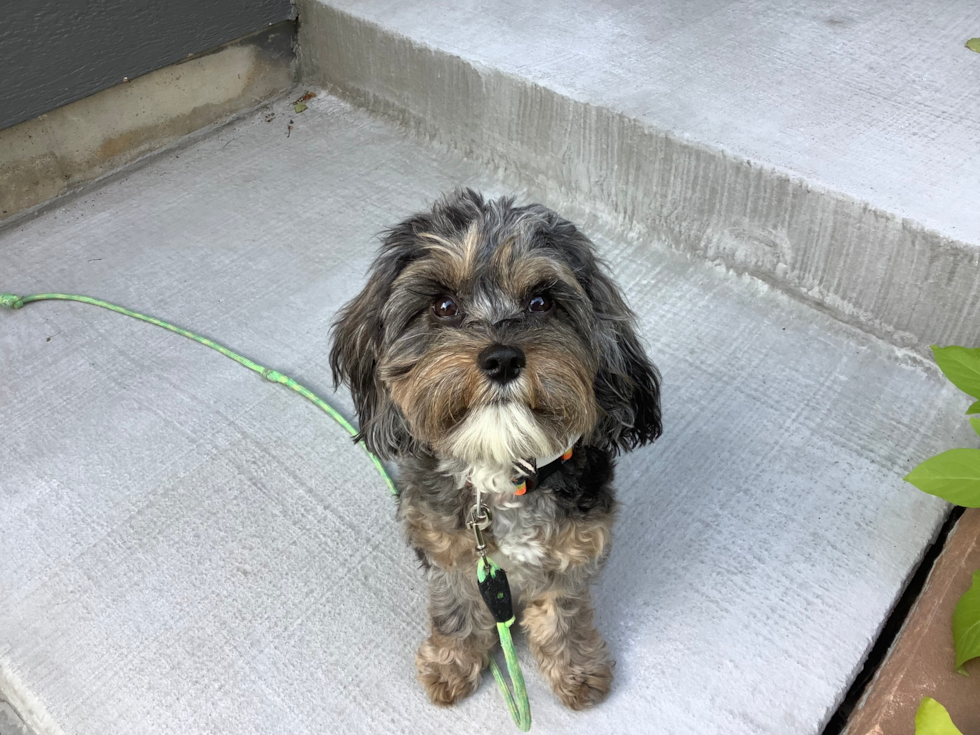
{"points": [[503, 363]]}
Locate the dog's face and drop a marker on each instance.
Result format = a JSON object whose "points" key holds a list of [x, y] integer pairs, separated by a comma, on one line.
{"points": [[488, 333]]}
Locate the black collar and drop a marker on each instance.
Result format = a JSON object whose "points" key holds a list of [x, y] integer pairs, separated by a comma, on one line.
{"points": [[526, 483]]}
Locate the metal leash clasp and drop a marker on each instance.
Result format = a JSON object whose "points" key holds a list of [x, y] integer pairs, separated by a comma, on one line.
{"points": [[479, 520]]}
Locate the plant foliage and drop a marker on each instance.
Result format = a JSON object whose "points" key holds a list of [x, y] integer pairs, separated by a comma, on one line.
{"points": [[933, 719], [954, 476], [966, 625]]}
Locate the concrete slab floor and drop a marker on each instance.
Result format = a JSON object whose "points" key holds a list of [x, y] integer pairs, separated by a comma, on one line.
{"points": [[187, 548]]}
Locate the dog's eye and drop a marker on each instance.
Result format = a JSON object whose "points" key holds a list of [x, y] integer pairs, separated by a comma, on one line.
{"points": [[540, 303], [445, 307]]}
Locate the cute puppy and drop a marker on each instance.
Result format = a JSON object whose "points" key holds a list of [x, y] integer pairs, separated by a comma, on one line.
{"points": [[494, 359]]}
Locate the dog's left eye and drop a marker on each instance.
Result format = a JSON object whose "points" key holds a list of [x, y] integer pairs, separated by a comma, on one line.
{"points": [[445, 307], [540, 303]]}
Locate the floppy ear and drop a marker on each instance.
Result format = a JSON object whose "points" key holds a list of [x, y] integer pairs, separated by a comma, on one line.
{"points": [[357, 340], [358, 331], [627, 385]]}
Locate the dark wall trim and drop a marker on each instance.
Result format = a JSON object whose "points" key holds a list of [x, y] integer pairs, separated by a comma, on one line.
{"points": [[53, 52]]}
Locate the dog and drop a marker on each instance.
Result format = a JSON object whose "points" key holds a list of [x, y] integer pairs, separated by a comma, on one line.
{"points": [[494, 359]]}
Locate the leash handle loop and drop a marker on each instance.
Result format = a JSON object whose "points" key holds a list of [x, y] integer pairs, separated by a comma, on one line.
{"points": [[517, 703]]}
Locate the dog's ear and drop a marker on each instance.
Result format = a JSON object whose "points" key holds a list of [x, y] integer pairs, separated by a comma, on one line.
{"points": [[627, 384], [357, 340], [358, 331]]}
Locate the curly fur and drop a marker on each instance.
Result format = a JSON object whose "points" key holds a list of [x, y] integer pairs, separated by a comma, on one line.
{"points": [[423, 400]]}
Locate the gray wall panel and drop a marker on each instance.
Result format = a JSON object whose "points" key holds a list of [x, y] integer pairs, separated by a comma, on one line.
{"points": [[56, 51]]}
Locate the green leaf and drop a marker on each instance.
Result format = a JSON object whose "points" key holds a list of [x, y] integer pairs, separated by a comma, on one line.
{"points": [[974, 408], [974, 44], [299, 107], [966, 624], [933, 719], [961, 365], [953, 476], [975, 423]]}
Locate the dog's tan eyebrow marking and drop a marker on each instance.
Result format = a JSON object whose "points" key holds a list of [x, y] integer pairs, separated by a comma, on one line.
{"points": [[442, 268], [527, 272], [466, 250], [459, 258], [503, 256], [437, 242], [471, 247]]}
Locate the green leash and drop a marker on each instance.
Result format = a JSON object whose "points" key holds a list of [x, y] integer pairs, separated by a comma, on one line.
{"points": [[495, 590], [520, 710], [15, 302]]}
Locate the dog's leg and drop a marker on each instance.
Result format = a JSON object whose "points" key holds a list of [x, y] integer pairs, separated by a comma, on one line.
{"points": [[451, 660], [571, 653]]}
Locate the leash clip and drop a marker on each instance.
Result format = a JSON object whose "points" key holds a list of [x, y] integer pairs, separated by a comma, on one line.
{"points": [[480, 519]]}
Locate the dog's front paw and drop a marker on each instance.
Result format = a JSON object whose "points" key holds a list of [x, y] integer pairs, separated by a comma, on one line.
{"points": [[448, 671], [571, 654], [581, 690]]}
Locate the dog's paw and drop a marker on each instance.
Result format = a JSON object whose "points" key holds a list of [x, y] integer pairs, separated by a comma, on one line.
{"points": [[579, 690], [448, 673]]}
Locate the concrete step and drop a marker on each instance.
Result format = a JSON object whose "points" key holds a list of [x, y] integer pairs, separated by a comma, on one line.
{"points": [[829, 150], [185, 547]]}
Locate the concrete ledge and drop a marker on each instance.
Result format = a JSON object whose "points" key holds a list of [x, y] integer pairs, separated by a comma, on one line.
{"points": [[10, 721], [56, 152], [884, 274]]}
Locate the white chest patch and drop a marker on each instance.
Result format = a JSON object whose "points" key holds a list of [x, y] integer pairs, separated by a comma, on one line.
{"points": [[517, 531], [491, 479], [519, 535], [520, 523]]}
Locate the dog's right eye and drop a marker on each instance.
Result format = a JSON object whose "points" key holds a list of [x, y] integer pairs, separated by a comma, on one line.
{"points": [[445, 307]]}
